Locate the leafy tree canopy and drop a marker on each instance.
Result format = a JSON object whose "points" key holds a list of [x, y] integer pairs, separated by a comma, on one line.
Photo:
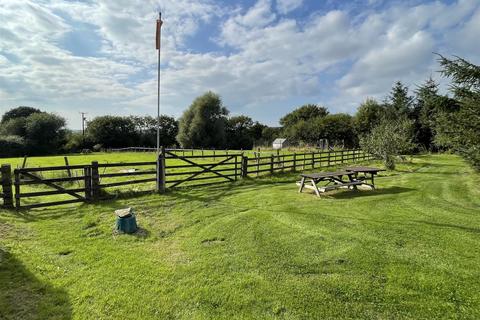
{"points": [[461, 129], [203, 123], [19, 112], [399, 103], [305, 113], [368, 115], [112, 131], [389, 139]]}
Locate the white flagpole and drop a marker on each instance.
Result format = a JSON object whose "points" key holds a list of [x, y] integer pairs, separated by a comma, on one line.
{"points": [[160, 174], [158, 87]]}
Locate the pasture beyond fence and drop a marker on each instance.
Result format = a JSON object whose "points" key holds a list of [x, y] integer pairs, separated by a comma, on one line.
{"points": [[34, 187]]}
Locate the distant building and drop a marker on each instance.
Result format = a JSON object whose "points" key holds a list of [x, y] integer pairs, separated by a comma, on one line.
{"points": [[280, 143]]}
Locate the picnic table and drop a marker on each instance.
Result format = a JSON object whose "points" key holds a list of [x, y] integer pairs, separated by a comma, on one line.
{"points": [[334, 180], [366, 174], [349, 178]]}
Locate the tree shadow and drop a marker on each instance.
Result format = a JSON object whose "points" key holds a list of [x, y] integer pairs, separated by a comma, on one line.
{"points": [[23, 296], [348, 194]]}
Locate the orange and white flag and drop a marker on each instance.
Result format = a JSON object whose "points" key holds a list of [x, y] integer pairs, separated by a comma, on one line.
{"points": [[157, 36]]}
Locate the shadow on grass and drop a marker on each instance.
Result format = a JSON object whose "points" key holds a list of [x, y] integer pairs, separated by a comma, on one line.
{"points": [[23, 296], [448, 225], [348, 194]]}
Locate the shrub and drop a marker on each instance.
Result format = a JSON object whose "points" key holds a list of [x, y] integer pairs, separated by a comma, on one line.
{"points": [[12, 146], [388, 140]]}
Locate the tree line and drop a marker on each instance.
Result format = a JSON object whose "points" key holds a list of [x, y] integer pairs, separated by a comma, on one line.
{"points": [[403, 122]]}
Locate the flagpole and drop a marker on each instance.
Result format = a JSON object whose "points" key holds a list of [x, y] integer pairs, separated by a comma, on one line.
{"points": [[158, 87], [160, 173]]}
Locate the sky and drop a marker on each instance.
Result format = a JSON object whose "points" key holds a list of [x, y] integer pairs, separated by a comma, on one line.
{"points": [[263, 57]]}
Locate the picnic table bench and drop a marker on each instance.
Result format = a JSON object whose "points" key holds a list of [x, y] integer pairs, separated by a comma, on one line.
{"points": [[367, 174], [336, 178], [349, 178]]}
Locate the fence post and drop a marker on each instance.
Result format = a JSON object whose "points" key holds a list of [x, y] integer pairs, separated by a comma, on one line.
{"points": [[271, 163], [244, 166], [69, 172], [343, 151], [17, 189], [87, 178], [95, 181], [328, 159], [6, 181], [161, 170], [236, 167], [294, 162], [313, 160]]}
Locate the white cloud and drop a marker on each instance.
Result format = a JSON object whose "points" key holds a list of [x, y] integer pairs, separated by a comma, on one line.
{"points": [[266, 60], [285, 6]]}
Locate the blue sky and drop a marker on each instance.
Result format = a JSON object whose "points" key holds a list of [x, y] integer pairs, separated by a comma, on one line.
{"points": [[264, 57]]}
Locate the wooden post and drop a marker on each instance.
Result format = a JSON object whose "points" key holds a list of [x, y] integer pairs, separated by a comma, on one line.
{"points": [[24, 162], [271, 163], [294, 162], [328, 159], [258, 162], [95, 184], [6, 181], [17, 189], [236, 167], [244, 166], [342, 156], [161, 171], [87, 173], [69, 172], [313, 160]]}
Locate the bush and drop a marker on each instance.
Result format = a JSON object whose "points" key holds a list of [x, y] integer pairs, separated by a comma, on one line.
{"points": [[112, 131], [12, 146], [388, 140]]}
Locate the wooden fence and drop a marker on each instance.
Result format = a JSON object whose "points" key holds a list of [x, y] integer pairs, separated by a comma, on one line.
{"points": [[25, 189]]}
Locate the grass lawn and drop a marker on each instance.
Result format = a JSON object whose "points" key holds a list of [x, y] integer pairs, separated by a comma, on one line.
{"points": [[175, 171], [256, 249]]}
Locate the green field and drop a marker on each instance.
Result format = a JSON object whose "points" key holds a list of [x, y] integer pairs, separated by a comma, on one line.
{"points": [[256, 249], [176, 169]]}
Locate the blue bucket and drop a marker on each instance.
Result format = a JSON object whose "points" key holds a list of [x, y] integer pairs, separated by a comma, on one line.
{"points": [[127, 224]]}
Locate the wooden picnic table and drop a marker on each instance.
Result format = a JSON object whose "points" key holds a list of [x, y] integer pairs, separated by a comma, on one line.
{"points": [[367, 174], [334, 180]]}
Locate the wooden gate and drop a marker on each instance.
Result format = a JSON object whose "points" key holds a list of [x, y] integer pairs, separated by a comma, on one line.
{"points": [[214, 168], [34, 180]]}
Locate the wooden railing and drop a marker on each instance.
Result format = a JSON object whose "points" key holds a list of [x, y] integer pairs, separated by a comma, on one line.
{"points": [[91, 182]]}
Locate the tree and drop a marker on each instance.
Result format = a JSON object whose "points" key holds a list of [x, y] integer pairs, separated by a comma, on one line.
{"points": [[19, 112], [338, 127], [388, 139], [368, 115], [305, 113], [427, 107], [399, 103], [203, 123], [146, 128], [45, 133], [239, 131], [461, 129], [112, 131], [14, 126], [269, 134]]}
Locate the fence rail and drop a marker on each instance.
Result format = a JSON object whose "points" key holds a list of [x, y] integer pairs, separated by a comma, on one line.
{"points": [[56, 185]]}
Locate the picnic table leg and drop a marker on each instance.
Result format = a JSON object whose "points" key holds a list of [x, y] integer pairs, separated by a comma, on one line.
{"points": [[302, 183], [315, 188], [352, 179]]}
